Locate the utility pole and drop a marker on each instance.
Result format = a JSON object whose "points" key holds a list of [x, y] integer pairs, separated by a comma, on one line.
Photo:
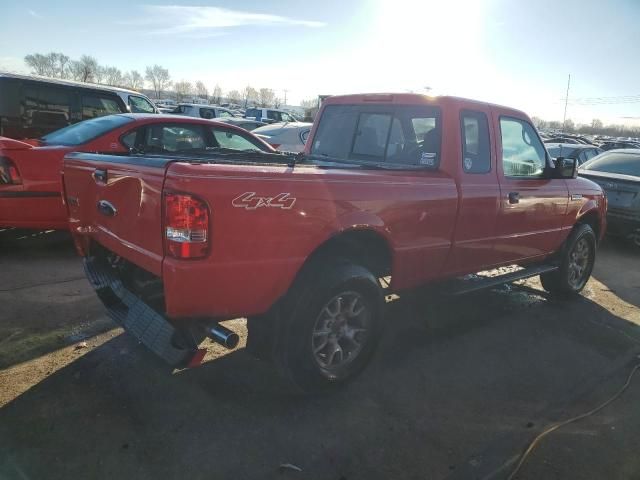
{"points": [[285, 96], [566, 101]]}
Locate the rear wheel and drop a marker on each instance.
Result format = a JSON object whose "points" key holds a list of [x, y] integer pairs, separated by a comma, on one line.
{"points": [[330, 329], [577, 258]]}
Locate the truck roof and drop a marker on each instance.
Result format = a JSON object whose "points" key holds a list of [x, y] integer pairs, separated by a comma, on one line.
{"points": [[412, 99]]}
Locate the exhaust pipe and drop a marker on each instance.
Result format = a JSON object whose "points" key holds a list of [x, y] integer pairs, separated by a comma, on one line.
{"points": [[225, 337]]}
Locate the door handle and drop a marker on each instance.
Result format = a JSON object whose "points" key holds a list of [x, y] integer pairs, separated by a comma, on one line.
{"points": [[100, 175], [514, 197], [107, 209]]}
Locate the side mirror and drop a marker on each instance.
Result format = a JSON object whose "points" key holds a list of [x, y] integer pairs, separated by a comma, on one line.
{"points": [[565, 168]]}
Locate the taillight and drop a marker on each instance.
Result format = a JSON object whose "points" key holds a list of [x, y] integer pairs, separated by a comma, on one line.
{"points": [[9, 174], [275, 145], [186, 226]]}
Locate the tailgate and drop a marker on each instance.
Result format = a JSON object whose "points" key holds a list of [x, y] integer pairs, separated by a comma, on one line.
{"points": [[117, 201]]}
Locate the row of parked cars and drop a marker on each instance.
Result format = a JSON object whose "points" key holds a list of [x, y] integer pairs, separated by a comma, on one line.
{"points": [[31, 108]]}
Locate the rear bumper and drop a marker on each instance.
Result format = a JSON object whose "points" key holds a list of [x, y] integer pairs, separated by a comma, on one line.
{"points": [[134, 315]]}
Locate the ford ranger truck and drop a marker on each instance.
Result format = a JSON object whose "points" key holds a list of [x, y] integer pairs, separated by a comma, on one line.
{"points": [[420, 189]]}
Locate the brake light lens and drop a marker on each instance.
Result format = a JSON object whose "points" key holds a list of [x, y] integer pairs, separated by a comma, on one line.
{"points": [[186, 226], [9, 174]]}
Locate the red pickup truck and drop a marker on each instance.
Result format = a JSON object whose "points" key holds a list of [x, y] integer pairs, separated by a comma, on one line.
{"points": [[418, 189]]}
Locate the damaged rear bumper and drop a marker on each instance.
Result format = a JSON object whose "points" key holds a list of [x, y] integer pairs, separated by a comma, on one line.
{"points": [[134, 315]]}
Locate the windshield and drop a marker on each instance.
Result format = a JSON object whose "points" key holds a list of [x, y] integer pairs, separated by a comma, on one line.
{"points": [[616, 162], [83, 132]]}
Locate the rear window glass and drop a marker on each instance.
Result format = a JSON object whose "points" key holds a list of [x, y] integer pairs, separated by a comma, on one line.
{"points": [[404, 135], [83, 132], [97, 106], [565, 152], [476, 147], [622, 163]]}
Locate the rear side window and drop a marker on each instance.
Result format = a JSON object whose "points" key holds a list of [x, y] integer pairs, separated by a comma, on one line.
{"points": [[234, 140], [98, 106], [140, 105], [253, 112], [207, 113], [174, 138], [476, 147], [616, 162], [46, 107], [404, 135]]}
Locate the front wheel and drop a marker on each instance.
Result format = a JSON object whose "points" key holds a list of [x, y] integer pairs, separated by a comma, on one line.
{"points": [[329, 335], [577, 258]]}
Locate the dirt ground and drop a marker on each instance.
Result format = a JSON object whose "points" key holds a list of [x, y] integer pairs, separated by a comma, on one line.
{"points": [[457, 389]]}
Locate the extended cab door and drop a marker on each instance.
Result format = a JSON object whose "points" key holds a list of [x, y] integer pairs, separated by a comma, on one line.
{"points": [[473, 247], [532, 207]]}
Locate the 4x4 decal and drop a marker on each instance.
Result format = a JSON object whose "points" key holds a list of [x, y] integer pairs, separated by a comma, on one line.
{"points": [[250, 201]]}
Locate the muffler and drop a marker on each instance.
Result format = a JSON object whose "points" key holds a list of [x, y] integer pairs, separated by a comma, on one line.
{"points": [[222, 335]]}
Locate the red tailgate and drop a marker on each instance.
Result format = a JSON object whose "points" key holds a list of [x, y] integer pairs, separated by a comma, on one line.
{"points": [[117, 201]]}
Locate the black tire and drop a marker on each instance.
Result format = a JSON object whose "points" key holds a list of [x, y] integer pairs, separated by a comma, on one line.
{"points": [[571, 277], [306, 315]]}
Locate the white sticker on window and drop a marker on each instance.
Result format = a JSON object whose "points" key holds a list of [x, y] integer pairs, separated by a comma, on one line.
{"points": [[428, 159], [468, 163]]}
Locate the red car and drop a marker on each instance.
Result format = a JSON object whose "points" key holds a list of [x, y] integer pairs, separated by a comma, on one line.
{"points": [[415, 188], [30, 187]]}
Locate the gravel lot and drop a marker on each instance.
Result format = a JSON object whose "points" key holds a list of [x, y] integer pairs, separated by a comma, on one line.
{"points": [[457, 389]]}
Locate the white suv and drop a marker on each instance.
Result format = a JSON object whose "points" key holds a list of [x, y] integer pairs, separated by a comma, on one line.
{"points": [[269, 115], [202, 111]]}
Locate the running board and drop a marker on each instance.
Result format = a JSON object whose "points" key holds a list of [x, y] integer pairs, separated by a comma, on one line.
{"points": [[479, 282]]}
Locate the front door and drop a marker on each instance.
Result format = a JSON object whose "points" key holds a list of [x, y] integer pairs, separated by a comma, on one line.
{"points": [[532, 207]]}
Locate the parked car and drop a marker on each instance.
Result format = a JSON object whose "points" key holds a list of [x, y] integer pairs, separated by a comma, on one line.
{"points": [[269, 115], [202, 111], [616, 145], [286, 137], [580, 153], [421, 189], [556, 139], [30, 195], [33, 106], [245, 123], [618, 173]]}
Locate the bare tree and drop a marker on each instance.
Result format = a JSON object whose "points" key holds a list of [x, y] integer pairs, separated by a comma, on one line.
{"points": [[201, 90], [277, 102], [113, 76], [39, 64], [60, 63], [216, 96], [249, 94], [183, 89], [85, 69], [133, 80], [159, 78], [234, 96], [266, 97], [596, 124]]}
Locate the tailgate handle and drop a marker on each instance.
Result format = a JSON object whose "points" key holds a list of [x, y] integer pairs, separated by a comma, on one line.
{"points": [[107, 209], [100, 174]]}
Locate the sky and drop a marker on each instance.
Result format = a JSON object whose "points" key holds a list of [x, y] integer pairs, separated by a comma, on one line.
{"points": [[515, 53]]}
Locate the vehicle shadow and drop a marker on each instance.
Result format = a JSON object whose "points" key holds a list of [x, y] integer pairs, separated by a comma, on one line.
{"points": [[618, 267], [457, 388], [46, 302]]}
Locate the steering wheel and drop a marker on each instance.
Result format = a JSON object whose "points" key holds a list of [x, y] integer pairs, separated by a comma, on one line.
{"points": [[416, 149]]}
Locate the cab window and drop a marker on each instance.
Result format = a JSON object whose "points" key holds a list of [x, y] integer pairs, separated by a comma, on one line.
{"points": [[523, 154], [401, 135]]}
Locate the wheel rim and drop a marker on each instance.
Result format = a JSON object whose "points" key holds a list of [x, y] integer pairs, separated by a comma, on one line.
{"points": [[341, 331], [579, 261]]}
